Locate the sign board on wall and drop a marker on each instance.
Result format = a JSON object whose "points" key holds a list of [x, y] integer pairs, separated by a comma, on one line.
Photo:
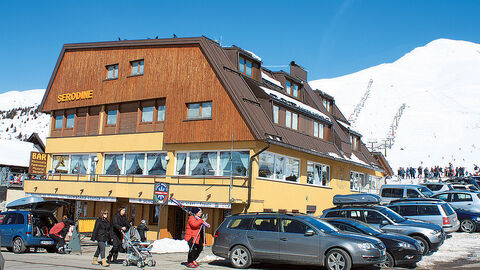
{"points": [[160, 193], [38, 163], [81, 95]]}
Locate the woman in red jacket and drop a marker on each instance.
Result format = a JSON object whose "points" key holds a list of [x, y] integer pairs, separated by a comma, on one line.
{"points": [[195, 236]]}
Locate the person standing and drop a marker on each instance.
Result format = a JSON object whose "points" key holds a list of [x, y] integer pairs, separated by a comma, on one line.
{"points": [[142, 228], [101, 234], [195, 236], [120, 224]]}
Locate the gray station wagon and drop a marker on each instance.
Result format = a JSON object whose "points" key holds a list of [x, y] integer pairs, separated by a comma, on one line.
{"points": [[293, 238]]}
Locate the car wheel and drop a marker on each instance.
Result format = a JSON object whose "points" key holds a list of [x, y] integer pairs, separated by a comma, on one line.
{"points": [[18, 245], [240, 257], [424, 247], [390, 262], [467, 226], [338, 259]]}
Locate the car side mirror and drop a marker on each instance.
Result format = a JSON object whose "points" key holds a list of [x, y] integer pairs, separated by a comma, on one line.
{"points": [[309, 232], [384, 222]]}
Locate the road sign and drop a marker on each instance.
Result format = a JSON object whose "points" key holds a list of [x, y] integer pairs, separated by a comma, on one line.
{"points": [[160, 193]]}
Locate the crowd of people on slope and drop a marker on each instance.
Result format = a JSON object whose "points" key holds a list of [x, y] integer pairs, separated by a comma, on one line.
{"points": [[435, 172]]}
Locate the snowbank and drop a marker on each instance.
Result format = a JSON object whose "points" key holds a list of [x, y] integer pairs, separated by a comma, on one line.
{"points": [[16, 153], [167, 245]]}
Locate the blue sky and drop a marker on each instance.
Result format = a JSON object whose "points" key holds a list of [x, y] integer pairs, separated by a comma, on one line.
{"points": [[329, 38]]}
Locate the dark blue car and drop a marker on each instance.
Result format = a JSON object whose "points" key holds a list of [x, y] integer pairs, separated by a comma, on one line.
{"points": [[26, 224], [469, 221]]}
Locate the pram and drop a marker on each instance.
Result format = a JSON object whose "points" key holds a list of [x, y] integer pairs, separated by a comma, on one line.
{"points": [[137, 252]]}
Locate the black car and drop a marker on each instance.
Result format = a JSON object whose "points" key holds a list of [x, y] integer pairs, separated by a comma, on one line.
{"points": [[469, 221], [401, 249]]}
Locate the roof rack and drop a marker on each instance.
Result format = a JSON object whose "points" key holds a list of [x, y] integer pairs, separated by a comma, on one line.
{"points": [[266, 213], [417, 200], [356, 199]]}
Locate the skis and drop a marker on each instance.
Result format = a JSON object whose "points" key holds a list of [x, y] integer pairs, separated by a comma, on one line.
{"points": [[188, 211]]}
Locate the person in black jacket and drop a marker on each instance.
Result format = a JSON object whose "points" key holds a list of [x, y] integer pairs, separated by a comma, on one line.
{"points": [[142, 228], [119, 223], [101, 234]]}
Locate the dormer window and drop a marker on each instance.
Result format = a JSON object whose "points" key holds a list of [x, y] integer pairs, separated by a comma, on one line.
{"points": [[328, 105], [355, 140], [292, 89], [245, 66]]}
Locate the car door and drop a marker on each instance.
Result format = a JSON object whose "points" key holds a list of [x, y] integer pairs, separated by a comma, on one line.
{"points": [[8, 225], [430, 213], [2, 218], [376, 219], [263, 238], [462, 201], [413, 193], [295, 246]]}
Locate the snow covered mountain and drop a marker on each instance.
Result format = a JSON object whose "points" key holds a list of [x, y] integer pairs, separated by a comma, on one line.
{"points": [[440, 85], [19, 116]]}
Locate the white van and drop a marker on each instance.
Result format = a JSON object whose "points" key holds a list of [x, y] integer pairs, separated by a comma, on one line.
{"points": [[390, 193]]}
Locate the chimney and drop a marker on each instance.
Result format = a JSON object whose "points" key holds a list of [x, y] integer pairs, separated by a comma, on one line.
{"points": [[298, 71]]}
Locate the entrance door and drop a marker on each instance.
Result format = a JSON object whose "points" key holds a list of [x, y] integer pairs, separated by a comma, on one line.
{"points": [[180, 224]]}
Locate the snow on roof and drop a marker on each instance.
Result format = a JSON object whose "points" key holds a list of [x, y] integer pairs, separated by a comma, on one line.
{"points": [[15, 153], [270, 79], [297, 103], [254, 56], [347, 126], [354, 158]]}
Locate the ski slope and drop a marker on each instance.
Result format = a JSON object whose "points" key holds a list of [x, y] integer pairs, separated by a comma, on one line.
{"points": [[440, 85]]}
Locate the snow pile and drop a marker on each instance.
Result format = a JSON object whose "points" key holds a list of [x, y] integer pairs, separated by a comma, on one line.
{"points": [[439, 84], [295, 102], [459, 246], [210, 258], [271, 80], [254, 56], [19, 116], [16, 153], [167, 245]]}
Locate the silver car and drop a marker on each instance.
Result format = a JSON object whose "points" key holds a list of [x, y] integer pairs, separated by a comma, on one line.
{"points": [[440, 213], [293, 238], [466, 200]]}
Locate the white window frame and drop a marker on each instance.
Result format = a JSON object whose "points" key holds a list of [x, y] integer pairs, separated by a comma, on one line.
{"points": [[114, 71], [122, 172], [91, 155], [295, 121], [329, 173], [276, 114], [140, 67], [217, 167], [358, 179], [284, 168]]}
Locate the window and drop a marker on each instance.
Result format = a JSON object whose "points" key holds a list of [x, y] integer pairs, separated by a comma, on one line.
{"points": [[219, 163], [335, 214], [407, 210], [295, 90], [58, 121], [318, 174], [240, 223], [356, 179], [112, 71], [265, 224], [199, 110], [294, 226], [70, 121], [79, 164], [373, 217], [279, 167], [292, 89], [245, 66], [203, 163], [134, 164], [462, 197], [288, 87], [234, 163], [355, 214], [413, 194], [137, 67], [113, 164], [156, 164], [147, 114], [112, 117], [275, 114], [72, 164], [443, 197], [288, 119], [328, 105], [354, 140], [161, 113], [428, 210], [294, 121], [318, 130], [181, 166], [392, 192], [60, 163]]}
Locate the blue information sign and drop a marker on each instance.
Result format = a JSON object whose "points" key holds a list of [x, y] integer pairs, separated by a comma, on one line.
{"points": [[160, 193]]}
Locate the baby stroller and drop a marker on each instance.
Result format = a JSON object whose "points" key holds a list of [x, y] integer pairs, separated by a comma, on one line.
{"points": [[137, 252]]}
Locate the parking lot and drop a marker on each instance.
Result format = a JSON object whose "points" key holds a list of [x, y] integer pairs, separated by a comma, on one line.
{"points": [[458, 252]]}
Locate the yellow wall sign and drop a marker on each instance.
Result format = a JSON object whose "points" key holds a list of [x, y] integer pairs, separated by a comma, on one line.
{"points": [[88, 94], [38, 163]]}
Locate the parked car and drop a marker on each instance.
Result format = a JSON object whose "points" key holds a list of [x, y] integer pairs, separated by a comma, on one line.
{"points": [[431, 236], [26, 224], [401, 249], [466, 200], [437, 187], [293, 238], [389, 193], [465, 187], [463, 181], [469, 221], [436, 212]]}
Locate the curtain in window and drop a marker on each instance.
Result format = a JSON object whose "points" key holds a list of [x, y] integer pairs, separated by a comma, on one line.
{"points": [[325, 175], [292, 169], [194, 161], [60, 164], [317, 174], [244, 157], [113, 163], [134, 163], [212, 159], [79, 164], [225, 163], [180, 168], [156, 164], [161, 113], [279, 167]]}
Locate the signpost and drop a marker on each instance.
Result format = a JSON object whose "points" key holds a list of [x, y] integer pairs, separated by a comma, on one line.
{"points": [[38, 163], [160, 198]]}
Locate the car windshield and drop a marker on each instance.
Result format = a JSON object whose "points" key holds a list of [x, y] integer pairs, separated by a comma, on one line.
{"points": [[321, 224], [364, 227], [392, 215], [425, 191]]}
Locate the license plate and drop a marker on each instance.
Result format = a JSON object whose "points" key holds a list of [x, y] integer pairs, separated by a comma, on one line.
{"points": [[46, 242]]}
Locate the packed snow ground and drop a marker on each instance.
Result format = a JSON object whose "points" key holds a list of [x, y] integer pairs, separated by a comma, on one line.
{"points": [[167, 245], [439, 83]]}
